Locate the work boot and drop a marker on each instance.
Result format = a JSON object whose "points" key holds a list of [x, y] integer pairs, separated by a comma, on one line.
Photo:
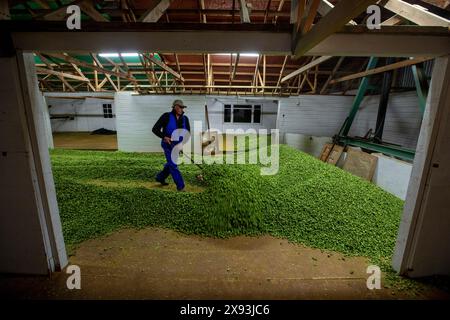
{"points": [[162, 182]]}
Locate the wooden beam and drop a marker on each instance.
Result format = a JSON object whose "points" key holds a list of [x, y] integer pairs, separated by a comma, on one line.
{"points": [[98, 63], [43, 4], [326, 6], [281, 71], [267, 10], [389, 67], [294, 10], [202, 14], [279, 9], [60, 13], [415, 13], [49, 65], [77, 62], [342, 13], [335, 69], [233, 74], [155, 13], [78, 70], [88, 8], [245, 17], [306, 67], [393, 21], [61, 74], [164, 67], [312, 12], [301, 8], [390, 41]]}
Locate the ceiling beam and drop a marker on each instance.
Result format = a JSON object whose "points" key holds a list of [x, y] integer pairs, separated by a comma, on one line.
{"points": [[97, 67], [330, 77], [61, 74], [389, 67], [164, 66], [87, 7], [393, 41], [306, 67], [155, 13], [78, 70], [307, 23], [326, 6], [245, 16], [58, 14], [97, 62], [415, 13], [49, 65], [341, 14]]}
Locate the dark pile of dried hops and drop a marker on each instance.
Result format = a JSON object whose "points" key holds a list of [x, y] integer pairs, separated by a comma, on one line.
{"points": [[307, 202]]}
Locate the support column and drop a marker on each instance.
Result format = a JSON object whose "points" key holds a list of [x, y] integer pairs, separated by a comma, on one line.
{"points": [[423, 243], [31, 240]]}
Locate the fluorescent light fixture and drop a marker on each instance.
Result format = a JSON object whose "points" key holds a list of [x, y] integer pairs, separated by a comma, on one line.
{"points": [[116, 55], [241, 54]]}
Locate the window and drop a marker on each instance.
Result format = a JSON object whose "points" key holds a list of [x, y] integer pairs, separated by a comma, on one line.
{"points": [[227, 113], [242, 113], [107, 110], [257, 114]]}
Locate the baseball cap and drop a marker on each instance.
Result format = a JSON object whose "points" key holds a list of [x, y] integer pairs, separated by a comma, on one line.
{"points": [[178, 102]]}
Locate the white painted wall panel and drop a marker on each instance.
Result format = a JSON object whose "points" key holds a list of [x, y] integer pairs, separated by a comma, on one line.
{"points": [[92, 105], [311, 115], [136, 116], [403, 119], [324, 115], [314, 115], [216, 104]]}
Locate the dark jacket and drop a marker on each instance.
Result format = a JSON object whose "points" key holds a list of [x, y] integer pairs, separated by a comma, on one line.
{"points": [[161, 124]]}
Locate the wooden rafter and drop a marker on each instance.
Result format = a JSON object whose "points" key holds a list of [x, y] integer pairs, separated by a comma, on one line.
{"points": [[326, 6], [245, 16], [61, 74], [389, 67], [98, 63], [88, 8], [80, 63], [415, 13], [342, 13], [155, 13], [164, 66], [330, 77], [49, 66], [306, 67]]}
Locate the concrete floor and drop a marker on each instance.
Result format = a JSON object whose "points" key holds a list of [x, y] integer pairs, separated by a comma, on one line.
{"points": [[84, 141], [161, 264]]}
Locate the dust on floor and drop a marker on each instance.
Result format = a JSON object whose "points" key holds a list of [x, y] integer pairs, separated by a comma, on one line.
{"points": [[155, 263]]}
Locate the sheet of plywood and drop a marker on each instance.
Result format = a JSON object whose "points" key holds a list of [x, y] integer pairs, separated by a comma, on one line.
{"points": [[360, 163], [335, 154], [331, 153], [325, 151]]}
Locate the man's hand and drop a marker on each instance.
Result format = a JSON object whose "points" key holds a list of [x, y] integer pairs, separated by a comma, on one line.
{"points": [[167, 140]]}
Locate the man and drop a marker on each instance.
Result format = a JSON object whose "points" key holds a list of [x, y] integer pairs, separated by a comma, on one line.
{"points": [[163, 128]]}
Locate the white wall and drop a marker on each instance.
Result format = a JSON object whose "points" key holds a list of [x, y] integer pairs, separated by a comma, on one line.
{"points": [[91, 105], [269, 109], [136, 115], [309, 115], [314, 115], [31, 239], [403, 119], [323, 116]]}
